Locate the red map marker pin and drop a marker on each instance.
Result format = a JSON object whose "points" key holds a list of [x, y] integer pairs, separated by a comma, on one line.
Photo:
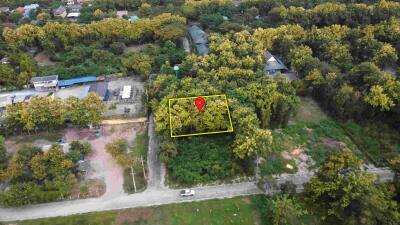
{"points": [[200, 102]]}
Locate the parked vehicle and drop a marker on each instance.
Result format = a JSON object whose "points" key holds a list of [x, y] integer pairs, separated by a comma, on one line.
{"points": [[187, 192]]}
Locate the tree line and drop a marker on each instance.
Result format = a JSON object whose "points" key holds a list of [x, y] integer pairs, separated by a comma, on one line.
{"points": [[49, 113], [55, 36], [335, 13]]}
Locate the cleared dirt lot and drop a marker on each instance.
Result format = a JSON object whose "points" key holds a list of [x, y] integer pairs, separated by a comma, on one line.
{"points": [[103, 166]]}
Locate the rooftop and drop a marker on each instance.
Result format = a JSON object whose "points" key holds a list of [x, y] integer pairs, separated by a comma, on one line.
{"points": [[59, 10], [77, 80], [199, 38], [45, 78], [4, 9], [100, 88], [273, 63], [73, 14]]}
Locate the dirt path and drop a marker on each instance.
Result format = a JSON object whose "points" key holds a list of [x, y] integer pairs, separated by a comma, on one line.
{"points": [[156, 167], [124, 121]]}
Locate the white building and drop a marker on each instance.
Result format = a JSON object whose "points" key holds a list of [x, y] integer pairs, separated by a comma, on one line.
{"points": [[45, 83], [126, 92]]}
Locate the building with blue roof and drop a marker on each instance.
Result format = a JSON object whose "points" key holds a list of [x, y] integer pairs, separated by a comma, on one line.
{"points": [[77, 80], [133, 18]]}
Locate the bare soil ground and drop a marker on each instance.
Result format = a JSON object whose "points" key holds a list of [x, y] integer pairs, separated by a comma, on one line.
{"points": [[125, 121], [103, 166], [43, 60], [95, 188], [133, 48]]}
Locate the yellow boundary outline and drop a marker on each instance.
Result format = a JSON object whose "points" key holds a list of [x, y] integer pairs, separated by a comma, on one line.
{"points": [[204, 133]]}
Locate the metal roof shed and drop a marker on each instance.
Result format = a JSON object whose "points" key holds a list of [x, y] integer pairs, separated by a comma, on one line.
{"points": [[78, 80]]}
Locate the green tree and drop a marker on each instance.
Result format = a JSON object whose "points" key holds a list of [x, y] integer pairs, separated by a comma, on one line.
{"points": [[341, 192], [301, 59], [139, 64], [21, 194], [314, 78], [87, 111], [385, 56], [169, 27], [4, 157], [379, 99], [285, 210], [7, 76], [256, 143], [51, 164], [145, 10]]}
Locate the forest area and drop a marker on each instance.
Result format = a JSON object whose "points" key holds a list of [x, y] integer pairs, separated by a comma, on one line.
{"points": [[346, 57]]}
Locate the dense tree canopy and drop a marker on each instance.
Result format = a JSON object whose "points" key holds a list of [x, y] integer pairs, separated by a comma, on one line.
{"points": [[37, 176], [343, 193], [257, 102], [47, 113], [56, 36]]}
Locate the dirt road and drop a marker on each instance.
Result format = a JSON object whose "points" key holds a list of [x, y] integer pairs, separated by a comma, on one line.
{"points": [[156, 167]]}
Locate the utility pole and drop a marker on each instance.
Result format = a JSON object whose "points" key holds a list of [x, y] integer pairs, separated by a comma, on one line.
{"points": [[144, 171], [133, 178]]}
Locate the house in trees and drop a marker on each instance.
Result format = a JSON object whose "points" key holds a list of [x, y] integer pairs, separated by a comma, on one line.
{"points": [[4, 9], [199, 39], [122, 13], [45, 83], [4, 61], [74, 16], [29, 8], [69, 2], [60, 12], [274, 66], [133, 18]]}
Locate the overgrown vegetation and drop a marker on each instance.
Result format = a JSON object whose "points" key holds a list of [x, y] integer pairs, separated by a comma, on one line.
{"points": [[201, 160], [35, 176], [130, 158]]}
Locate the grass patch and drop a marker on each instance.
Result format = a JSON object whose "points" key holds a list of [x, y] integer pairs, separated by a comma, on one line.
{"points": [[239, 210], [141, 145], [103, 218], [319, 140], [309, 111], [138, 149], [277, 165], [139, 180], [378, 142], [53, 136]]}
